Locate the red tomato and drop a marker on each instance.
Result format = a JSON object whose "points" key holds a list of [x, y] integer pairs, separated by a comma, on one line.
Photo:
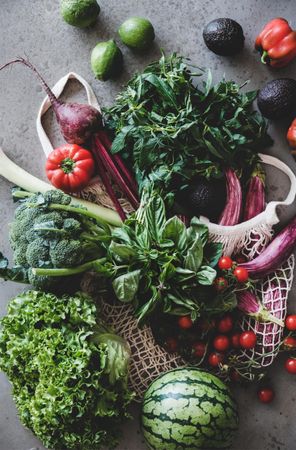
{"points": [[70, 167], [241, 274], [221, 343], [171, 344], [265, 395], [248, 339], [220, 284], [290, 365], [234, 375], [225, 324], [225, 263], [235, 340], [289, 343], [185, 322], [215, 359], [291, 322], [199, 349]]}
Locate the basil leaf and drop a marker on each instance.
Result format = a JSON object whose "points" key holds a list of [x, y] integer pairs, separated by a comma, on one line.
{"points": [[194, 256], [123, 251], [196, 226], [175, 230], [126, 286], [206, 275], [212, 253], [119, 142], [163, 88]]}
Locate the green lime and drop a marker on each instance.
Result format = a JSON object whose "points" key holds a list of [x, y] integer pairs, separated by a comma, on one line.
{"points": [[106, 60], [80, 13], [137, 33]]}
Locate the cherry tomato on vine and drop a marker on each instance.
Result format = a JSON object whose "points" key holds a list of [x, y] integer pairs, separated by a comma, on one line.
{"points": [[199, 349], [221, 343], [225, 263], [235, 340], [290, 365], [289, 343], [265, 395], [171, 344], [220, 284], [225, 324], [248, 339], [241, 274], [215, 359], [185, 322], [290, 322]]}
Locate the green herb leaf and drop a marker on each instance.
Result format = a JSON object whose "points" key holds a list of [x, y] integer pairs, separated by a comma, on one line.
{"points": [[194, 256], [206, 275], [126, 286]]}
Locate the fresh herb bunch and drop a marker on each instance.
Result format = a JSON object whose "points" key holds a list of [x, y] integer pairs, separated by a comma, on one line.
{"points": [[68, 370], [159, 264], [170, 130]]}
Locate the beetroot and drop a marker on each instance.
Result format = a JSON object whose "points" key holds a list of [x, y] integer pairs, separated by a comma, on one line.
{"points": [[77, 121]]}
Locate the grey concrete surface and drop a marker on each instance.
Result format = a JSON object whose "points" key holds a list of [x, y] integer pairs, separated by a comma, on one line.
{"points": [[34, 28]]}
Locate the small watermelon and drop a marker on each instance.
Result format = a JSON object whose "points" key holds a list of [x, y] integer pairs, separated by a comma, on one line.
{"points": [[188, 408]]}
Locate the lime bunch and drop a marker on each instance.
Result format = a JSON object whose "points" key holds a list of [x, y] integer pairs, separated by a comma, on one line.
{"points": [[137, 33], [106, 60], [79, 13]]}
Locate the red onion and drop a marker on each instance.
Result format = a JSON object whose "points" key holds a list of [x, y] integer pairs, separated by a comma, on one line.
{"points": [[233, 209], [77, 121]]}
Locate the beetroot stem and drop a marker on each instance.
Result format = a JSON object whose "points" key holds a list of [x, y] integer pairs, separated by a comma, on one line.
{"points": [[53, 100], [114, 172], [103, 175], [118, 160]]}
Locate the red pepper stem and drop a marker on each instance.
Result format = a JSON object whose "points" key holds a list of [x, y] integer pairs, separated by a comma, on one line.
{"points": [[113, 171], [264, 56], [118, 160], [103, 175]]}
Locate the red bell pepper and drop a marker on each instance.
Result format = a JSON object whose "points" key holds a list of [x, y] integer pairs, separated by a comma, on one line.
{"points": [[70, 167], [291, 135], [277, 43]]}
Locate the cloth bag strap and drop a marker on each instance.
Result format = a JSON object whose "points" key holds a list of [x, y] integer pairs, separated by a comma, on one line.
{"points": [[45, 105]]}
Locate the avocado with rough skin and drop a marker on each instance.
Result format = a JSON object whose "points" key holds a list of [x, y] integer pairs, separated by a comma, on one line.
{"points": [[203, 198], [277, 98], [224, 36]]}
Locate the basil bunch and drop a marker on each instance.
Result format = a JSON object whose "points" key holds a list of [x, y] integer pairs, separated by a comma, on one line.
{"points": [[158, 263]]}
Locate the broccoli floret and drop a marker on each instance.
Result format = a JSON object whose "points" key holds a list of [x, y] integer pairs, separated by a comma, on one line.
{"points": [[56, 196], [19, 254], [22, 223], [52, 216], [66, 253], [37, 253], [42, 283], [72, 226]]}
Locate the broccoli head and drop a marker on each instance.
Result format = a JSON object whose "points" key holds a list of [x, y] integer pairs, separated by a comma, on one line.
{"points": [[37, 253]]}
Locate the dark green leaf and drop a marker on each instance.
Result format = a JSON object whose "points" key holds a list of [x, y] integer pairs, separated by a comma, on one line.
{"points": [[212, 252], [175, 230], [123, 251], [194, 256], [126, 286], [206, 275]]}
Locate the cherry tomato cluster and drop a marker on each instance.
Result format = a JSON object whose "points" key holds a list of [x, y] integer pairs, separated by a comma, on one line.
{"points": [[223, 338], [230, 271], [289, 343]]}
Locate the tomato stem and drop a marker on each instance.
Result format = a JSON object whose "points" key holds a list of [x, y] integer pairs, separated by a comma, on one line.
{"points": [[68, 165]]}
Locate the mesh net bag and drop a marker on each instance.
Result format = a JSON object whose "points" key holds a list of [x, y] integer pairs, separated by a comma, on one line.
{"points": [[148, 360]]}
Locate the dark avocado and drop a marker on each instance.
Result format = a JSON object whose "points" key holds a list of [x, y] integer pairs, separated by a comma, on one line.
{"points": [[277, 98], [224, 36], [203, 198]]}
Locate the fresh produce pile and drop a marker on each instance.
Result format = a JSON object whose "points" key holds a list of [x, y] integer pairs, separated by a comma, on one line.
{"points": [[184, 154]]}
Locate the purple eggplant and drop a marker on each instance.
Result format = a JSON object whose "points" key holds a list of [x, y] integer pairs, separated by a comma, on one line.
{"points": [[233, 209], [255, 198], [249, 304], [273, 256]]}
